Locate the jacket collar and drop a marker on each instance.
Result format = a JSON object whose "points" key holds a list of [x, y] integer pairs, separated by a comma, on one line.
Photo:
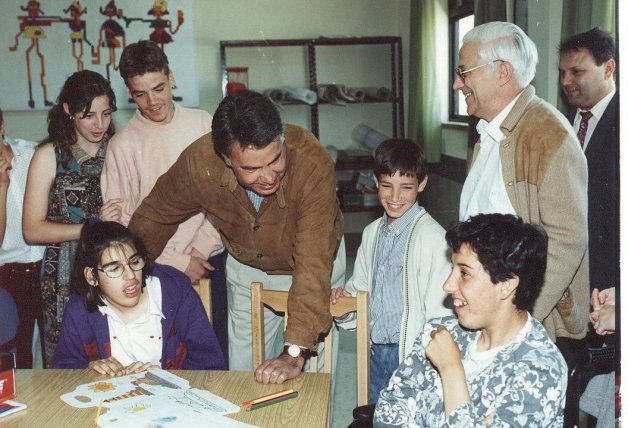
{"points": [[518, 110]]}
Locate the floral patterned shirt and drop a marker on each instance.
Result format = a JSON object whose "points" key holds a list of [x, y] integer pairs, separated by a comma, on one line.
{"points": [[524, 385]]}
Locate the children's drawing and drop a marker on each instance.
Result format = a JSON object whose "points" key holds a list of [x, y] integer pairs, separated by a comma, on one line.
{"points": [[118, 389], [78, 35], [55, 38], [111, 36], [31, 28], [163, 31]]}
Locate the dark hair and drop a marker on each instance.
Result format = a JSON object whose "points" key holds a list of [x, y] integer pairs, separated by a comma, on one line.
{"points": [[1, 117], [506, 246], [599, 42], [247, 118], [78, 92], [95, 239], [142, 57], [400, 155]]}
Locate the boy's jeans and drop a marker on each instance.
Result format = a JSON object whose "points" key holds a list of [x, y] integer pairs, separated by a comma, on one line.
{"points": [[384, 361]]}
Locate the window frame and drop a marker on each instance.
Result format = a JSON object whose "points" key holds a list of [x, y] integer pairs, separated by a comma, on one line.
{"points": [[458, 9]]}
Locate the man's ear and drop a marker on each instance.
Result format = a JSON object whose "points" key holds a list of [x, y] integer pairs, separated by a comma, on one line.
{"points": [[508, 288], [376, 182], [505, 72], [89, 276], [609, 68], [422, 184], [171, 79]]}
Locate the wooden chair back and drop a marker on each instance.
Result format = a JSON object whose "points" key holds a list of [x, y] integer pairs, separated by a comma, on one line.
{"points": [[278, 302], [204, 289]]}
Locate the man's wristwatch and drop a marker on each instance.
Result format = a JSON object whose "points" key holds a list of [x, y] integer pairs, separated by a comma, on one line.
{"points": [[295, 351]]}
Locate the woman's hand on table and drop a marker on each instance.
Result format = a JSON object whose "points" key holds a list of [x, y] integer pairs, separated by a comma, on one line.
{"points": [[108, 366], [139, 366], [112, 367]]}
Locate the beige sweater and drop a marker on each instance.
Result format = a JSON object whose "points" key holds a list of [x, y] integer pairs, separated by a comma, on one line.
{"points": [[545, 174]]}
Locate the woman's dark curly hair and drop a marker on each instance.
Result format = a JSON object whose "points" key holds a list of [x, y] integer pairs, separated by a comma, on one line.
{"points": [[94, 240], [506, 247], [78, 92]]}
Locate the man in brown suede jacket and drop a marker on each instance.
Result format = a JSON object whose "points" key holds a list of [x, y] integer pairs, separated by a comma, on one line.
{"points": [[270, 191], [528, 162]]}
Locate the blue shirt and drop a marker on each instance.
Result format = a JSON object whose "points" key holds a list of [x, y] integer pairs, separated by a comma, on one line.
{"points": [[387, 291], [256, 199]]}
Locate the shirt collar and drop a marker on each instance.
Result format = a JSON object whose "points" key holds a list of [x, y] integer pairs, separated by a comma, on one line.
{"points": [[492, 128], [15, 145], [400, 224], [599, 109]]}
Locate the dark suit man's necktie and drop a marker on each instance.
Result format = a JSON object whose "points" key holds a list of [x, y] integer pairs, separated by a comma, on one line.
{"points": [[584, 125]]}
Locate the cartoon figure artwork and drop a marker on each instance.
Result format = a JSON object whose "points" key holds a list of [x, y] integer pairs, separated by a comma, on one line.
{"points": [[111, 36], [152, 398], [117, 389], [160, 35], [57, 37], [31, 28], [78, 34]]}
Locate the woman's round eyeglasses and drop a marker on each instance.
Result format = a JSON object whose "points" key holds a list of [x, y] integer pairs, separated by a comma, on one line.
{"points": [[115, 270]]}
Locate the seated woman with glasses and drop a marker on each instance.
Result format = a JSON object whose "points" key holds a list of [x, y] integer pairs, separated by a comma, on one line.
{"points": [[126, 315], [492, 363]]}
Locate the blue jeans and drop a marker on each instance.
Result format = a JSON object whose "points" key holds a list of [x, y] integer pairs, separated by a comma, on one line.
{"points": [[384, 362]]}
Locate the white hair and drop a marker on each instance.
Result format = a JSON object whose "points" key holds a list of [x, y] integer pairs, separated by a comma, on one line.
{"points": [[507, 42]]}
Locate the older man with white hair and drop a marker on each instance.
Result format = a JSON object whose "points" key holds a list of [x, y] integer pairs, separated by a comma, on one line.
{"points": [[528, 162]]}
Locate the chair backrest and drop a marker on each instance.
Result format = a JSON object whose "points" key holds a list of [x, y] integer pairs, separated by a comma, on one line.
{"points": [[204, 289], [278, 302]]}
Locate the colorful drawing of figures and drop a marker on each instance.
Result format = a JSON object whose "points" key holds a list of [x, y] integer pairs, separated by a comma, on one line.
{"points": [[160, 35], [111, 36], [31, 28], [79, 32]]}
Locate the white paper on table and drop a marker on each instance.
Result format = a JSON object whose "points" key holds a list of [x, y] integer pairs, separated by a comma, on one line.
{"points": [[193, 407], [115, 390]]}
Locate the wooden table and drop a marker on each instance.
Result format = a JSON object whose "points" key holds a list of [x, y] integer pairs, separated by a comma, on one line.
{"points": [[41, 389]]}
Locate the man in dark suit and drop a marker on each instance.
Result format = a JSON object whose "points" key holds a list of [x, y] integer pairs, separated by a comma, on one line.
{"points": [[587, 66]]}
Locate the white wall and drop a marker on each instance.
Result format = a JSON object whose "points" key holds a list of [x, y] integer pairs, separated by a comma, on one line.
{"points": [[216, 20]]}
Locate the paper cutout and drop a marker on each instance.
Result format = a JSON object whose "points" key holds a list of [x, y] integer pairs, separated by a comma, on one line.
{"points": [[154, 398]]}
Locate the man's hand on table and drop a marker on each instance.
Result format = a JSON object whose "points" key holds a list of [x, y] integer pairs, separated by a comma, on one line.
{"points": [[280, 369]]}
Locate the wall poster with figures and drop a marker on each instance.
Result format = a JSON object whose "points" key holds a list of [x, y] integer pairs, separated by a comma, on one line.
{"points": [[43, 42]]}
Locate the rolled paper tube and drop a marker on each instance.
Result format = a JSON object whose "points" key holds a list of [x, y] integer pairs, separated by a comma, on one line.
{"points": [[276, 95], [300, 94], [368, 137], [342, 93], [379, 94], [357, 94], [331, 94]]}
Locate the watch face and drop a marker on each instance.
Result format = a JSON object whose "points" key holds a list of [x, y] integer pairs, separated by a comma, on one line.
{"points": [[294, 351]]}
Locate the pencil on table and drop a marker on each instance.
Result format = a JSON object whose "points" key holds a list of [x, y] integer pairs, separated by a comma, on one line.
{"points": [[274, 400], [264, 398]]}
